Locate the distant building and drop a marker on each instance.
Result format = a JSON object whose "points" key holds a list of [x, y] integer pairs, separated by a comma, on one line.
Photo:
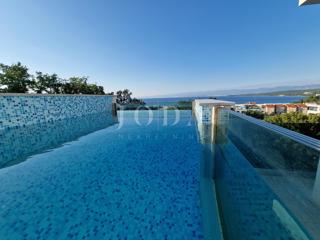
{"points": [[291, 108], [313, 108], [250, 106], [307, 2], [279, 109], [269, 109], [301, 108]]}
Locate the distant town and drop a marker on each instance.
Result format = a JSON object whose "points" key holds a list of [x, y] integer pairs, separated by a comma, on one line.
{"points": [[302, 117], [273, 109]]}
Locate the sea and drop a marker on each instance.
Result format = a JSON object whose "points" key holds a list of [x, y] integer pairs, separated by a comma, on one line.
{"points": [[233, 98]]}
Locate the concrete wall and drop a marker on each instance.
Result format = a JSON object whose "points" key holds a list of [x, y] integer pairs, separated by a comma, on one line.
{"points": [[27, 109]]}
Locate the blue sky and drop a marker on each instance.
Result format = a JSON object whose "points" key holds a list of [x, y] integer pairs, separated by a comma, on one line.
{"points": [[165, 46]]}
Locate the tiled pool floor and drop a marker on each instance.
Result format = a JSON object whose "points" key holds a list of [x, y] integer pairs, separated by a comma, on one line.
{"points": [[128, 183]]}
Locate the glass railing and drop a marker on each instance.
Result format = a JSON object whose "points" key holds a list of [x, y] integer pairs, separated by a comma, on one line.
{"points": [[267, 180]]}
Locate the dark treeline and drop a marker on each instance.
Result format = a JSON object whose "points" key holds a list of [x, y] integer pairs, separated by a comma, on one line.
{"points": [[17, 79], [124, 98]]}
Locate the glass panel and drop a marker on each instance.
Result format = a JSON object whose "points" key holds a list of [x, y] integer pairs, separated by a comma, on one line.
{"points": [[267, 184]]}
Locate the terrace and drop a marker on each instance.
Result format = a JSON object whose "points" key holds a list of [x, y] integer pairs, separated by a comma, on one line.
{"points": [[80, 163], [207, 174]]}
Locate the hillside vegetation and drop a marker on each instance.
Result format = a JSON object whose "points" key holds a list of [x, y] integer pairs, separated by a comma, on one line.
{"points": [[306, 124], [304, 92]]}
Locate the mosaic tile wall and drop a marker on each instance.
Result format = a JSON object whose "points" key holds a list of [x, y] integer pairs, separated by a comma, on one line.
{"points": [[24, 110], [204, 114], [19, 143]]}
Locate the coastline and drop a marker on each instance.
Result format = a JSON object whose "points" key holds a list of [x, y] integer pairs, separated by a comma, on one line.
{"points": [[238, 99]]}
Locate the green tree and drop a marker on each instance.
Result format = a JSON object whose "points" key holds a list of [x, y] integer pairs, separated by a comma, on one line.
{"points": [[79, 85], [137, 101], [184, 105], [94, 89], [46, 83], [312, 99], [14, 78], [306, 124], [76, 85], [124, 98], [255, 114]]}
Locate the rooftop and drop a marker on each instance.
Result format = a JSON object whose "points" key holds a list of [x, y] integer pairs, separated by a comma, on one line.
{"points": [[214, 102]]}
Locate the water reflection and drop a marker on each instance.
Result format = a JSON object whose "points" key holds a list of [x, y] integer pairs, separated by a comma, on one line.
{"points": [[17, 144]]}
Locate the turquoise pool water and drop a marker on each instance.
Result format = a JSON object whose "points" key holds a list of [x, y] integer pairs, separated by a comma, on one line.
{"points": [[95, 178], [136, 182]]}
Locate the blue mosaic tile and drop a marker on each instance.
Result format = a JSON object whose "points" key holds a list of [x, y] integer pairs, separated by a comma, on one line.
{"points": [[27, 110], [18, 143], [132, 182]]}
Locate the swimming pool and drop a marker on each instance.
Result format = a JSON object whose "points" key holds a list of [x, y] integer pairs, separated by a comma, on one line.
{"points": [[155, 175], [133, 182]]}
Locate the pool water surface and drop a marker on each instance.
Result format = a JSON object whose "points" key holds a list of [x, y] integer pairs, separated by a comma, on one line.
{"points": [[155, 175], [120, 182]]}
